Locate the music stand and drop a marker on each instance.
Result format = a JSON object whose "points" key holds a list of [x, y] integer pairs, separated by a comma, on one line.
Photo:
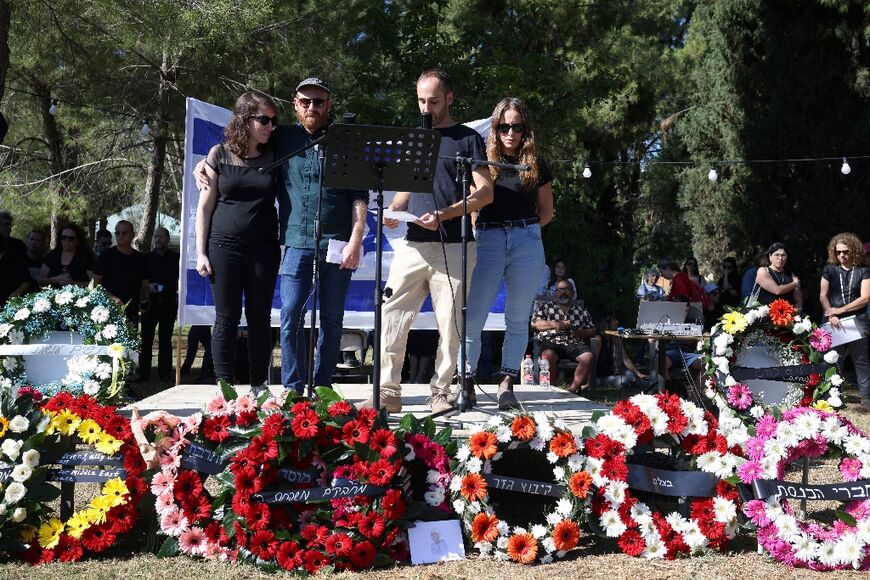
{"points": [[375, 157]]}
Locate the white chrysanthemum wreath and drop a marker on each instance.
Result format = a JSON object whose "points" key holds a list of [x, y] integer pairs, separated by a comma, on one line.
{"points": [[472, 480], [89, 312], [644, 423]]}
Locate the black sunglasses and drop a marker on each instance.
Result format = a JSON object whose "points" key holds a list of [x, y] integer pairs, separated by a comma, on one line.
{"points": [[265, 119], [505, 127], [841, 251], [68, 238], [305, 102]]}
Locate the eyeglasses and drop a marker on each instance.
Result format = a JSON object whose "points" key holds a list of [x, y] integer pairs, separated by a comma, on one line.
{"points": [[563, 290], [265, 119], [838, 252], [505, 127], [305, 102], [68, 238]]}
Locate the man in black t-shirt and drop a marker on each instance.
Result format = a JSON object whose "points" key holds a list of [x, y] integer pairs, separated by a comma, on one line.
{"points": [[162, 306], [14, 279], [419, 267], [122, 271], [13, 245]]}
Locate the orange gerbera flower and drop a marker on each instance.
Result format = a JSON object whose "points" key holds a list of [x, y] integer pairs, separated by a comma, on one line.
{"points": [[580, 484], [523, 548], [563, 445], [473, 487], [484, 528], [781, 312], [523, 428], [483, 444], [566, 535]]}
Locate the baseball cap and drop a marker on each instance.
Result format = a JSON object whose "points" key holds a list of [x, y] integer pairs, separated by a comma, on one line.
{"points": [[313, 82], [710, 288]]}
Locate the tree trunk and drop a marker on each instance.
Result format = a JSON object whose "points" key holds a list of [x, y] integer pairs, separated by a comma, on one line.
{"points": [[53, 138], [159, 132], [5, 23]]}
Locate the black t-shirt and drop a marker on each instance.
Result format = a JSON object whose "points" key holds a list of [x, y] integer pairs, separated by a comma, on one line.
{"points": [[457, 139], [122, 275], [245, 210], [844, 286], [77, 268], [16, 246], [163, 270], [34, 267], [13, 273], [781, 279], [512, 200]]}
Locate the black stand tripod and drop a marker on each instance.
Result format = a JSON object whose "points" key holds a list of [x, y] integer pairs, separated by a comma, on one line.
{"points": [[464, 166], [393, 158]]}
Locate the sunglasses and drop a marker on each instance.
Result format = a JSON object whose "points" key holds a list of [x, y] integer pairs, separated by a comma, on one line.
{"points": [[68, 238], [265, 119], [304, 102], [505, 127], [838, 252]]}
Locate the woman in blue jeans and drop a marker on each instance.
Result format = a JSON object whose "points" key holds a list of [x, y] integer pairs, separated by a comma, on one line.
{"points": [[509, 246]]}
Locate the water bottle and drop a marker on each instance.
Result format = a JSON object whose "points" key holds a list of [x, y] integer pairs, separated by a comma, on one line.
{"points": [[528, 370], [544, 372]]}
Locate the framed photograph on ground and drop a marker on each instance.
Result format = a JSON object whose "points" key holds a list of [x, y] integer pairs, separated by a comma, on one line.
{"points": [[433, 542]]}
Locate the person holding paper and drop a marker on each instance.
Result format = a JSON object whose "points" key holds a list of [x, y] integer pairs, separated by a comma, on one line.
{"points": [[844, 293]]}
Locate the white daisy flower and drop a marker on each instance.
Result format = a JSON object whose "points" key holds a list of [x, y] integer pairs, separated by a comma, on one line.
{"points": [[559, 473], [474, 465], [22, 314], [564, 507], [612, 524], [724, 510], [463, 453], [41, 305], [19, 424], [539, 531]]}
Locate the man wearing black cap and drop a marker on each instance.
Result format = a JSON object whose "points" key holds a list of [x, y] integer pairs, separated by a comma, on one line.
{"points": [[342, 219]]}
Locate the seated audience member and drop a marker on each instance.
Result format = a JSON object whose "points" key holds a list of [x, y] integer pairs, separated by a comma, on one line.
{"points": [[714, 310], [35, 256], [564, 329], [690, 269], [70, 262], [648, 289], [102, 241], [729, 283], [614, 368], [559, 272], [13, 245], [421, 350], [14, 279], [122, 271]]}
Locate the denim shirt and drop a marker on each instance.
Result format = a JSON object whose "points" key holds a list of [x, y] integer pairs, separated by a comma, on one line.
{"points": [[298, 202]]}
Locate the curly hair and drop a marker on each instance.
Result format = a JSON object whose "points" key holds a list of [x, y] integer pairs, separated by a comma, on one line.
{"points": [[851, 241], [246, 107], [528, 149], [84, 247]]}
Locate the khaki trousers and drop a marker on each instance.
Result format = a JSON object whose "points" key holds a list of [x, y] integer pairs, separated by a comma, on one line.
{"points": [[418, 270]]}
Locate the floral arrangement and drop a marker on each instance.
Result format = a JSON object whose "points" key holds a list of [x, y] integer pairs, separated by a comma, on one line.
{"points": [[793, 339], [800, 433], [559, 531], [87, 311], [427, 458], [691, 435], [82, 420]]}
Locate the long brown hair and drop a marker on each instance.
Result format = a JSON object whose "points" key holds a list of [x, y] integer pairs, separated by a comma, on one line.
{"points": [[851, 241], [528, 150], [246, 107]]}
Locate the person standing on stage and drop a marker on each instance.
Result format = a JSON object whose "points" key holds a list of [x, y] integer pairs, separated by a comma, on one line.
{"points": [[121, 271], [509, 245], [419, 267], [237, 235], [342, 218], [162, 266], [844, 293]]}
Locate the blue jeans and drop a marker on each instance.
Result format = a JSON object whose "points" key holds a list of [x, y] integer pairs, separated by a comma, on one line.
{"points": [[295, 273], [515, 255]]}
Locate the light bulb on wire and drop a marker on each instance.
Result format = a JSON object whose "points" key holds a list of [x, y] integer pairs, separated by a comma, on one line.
{"points": [[845, 169], [587, 173], [52, 110], [712, 175]]}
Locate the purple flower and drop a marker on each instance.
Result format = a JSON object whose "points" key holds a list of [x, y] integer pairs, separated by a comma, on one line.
{"points": [[755, 448], [755, 511], [766, 427], [850, 469], [739, 396], [820, 339], [750, 471]]}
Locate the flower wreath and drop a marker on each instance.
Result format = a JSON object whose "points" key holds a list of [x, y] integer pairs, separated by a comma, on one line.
{"points": [[88, 311], [691, 435], [794, 339], [427, 459], [805, 432], [81, 419], [493, 536], [340, 446]]}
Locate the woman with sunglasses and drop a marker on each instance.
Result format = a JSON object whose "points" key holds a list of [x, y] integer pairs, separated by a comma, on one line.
{"points": [[844, 293], [70, 262], [773, 281], [509, 245], [237, 236], [690, 269]]}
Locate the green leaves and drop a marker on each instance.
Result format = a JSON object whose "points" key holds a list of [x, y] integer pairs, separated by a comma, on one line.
{"points": [[227, 390]]}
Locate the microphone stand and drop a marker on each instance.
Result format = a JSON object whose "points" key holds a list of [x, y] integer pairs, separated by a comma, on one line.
{"points": [[464, 166]]}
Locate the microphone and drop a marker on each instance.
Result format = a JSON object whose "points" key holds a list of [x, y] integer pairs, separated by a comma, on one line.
{"points": [[426, 120], [349, 118]]}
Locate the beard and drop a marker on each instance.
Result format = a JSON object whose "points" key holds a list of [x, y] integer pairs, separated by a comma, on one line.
{"points": [[312, 122]]}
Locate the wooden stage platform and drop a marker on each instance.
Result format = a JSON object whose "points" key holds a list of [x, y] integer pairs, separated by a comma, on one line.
{"points": [[576, 411]]}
